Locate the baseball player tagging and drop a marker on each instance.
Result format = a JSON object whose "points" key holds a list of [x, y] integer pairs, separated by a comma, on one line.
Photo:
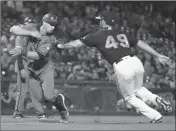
{"points": [[115, 45]]}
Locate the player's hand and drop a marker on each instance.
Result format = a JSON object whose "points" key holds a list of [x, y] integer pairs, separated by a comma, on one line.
{"points": [[35, 34], [15, 51], [60, 46], [164, 60]]}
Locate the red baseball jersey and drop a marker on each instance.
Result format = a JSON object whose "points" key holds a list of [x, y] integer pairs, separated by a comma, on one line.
{"points": [[43, 47], [113, 44]]}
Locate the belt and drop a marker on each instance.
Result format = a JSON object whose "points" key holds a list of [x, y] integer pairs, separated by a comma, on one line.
{"points": [[123, 58]]}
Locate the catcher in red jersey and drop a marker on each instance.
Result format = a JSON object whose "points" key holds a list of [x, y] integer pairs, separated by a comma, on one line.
{"points": [[115, 46], [41, 79]]}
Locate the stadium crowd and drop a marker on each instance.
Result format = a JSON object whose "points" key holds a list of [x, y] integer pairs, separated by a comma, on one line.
{"points": [[146, 20], [77, 19]]}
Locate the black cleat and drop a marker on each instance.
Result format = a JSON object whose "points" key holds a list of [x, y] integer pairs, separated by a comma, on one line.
{"points": [[157, 121], [64, 117], [44, 116], [61, 103], [166, 106]]}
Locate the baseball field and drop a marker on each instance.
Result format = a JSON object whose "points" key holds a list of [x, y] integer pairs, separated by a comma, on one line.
{"points": [[87, 122]]}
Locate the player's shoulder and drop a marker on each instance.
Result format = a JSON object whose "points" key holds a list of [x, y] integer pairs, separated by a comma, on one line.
{"points": [[105, 32], [93, 35]]}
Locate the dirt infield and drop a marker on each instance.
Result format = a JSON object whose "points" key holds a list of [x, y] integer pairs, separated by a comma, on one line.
{"points": [[87, 123]]}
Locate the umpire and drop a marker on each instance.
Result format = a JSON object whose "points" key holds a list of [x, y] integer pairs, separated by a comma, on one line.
{"points": [[21, 70]]}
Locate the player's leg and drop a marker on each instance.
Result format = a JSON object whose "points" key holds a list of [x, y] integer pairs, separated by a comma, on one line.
{"points": [[19, 105], [145, 94], [125, 84], [48, 88], [20, 94], [36, 94], [156, 100]]}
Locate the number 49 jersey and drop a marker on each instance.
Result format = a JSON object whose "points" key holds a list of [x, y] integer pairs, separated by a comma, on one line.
{"points": [[113, 44]]}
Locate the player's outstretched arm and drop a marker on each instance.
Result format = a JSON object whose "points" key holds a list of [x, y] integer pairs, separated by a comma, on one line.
{"points": [[73, 44], [147, 48], [162, 59], [20, 31]]}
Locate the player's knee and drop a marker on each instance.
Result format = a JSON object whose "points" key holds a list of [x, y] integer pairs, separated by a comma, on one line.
{"points": [[141, 94], [129, 98]]}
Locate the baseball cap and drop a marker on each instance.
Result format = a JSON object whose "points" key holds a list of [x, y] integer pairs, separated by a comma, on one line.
{"points": [[109, 17], [50, 18]]}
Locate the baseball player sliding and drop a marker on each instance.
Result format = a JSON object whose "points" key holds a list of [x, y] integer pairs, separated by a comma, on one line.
{"points": [[115, 47], [41, 79]]}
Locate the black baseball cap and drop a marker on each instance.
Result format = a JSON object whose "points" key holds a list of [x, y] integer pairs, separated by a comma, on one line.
{"points": [[109, 17]]}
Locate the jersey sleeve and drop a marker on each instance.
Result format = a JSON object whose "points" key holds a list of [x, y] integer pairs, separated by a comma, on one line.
{"points": [[132, 40], [45, 46], [89, 40]]}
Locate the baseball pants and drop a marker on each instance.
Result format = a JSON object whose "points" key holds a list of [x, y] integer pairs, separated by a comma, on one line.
{"points": [[42, 89], [129, 79], [22, 87]]}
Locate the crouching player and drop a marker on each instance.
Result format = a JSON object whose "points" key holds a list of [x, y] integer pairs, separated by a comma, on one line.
{"points": [[41, 79]]}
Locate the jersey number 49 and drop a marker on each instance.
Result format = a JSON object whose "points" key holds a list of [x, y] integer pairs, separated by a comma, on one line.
{"points": [[112, 43]]}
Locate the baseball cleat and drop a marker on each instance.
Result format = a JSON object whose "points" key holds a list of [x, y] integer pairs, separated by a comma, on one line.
{"points": [[44, 116], [64, 117], [63, 121], [157, 121], [167, 107], [61, 103], [18, 116]]}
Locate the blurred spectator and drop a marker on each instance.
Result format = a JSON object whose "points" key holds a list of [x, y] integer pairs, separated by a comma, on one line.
{"points": [[8, 98], [6, 59], [77, 73], [76, 19], [4, 40]]}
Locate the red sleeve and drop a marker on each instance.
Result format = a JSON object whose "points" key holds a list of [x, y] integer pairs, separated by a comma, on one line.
{"points": [[89, 40]]}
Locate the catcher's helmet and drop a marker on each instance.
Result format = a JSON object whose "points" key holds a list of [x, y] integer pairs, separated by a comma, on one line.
{"points": [[51, 19], [29, 20]]}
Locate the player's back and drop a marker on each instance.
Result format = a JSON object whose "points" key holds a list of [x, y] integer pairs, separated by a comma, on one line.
{"points": [[113, 44]]}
